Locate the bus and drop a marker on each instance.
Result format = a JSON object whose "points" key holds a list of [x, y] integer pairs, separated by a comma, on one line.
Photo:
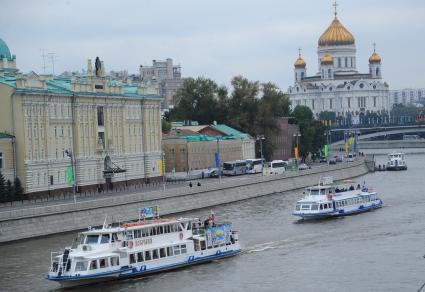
{"points": [[234, 167], [254, 165], [275, 167]]}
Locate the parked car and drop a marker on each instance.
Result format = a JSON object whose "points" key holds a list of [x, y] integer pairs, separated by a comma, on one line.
{"points": [[323, 159], [338, 158], [303, 166], [332, 161]]}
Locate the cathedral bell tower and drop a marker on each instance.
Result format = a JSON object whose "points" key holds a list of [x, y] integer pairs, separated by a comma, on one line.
{"points": [[375, 64], [300, 68]]}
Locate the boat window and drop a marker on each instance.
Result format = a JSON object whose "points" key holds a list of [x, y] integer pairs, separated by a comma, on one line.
{"points": [[132, 258], [176, 250], [170, 251], [148, 255], [155, 254], [321, 207], [305, 207], [129, 234], [104, 238], [92, 239], [153, 231], [103, 263], [137, 233], [298, 207], [203, 245], [115, 261], [93, 265], [162, 253], [81, 266], [189, 226], [180, 228], [140, 257], [183, 248], [114, 237], [314, 192], [144, 232], [160, 229], [314, 207]]}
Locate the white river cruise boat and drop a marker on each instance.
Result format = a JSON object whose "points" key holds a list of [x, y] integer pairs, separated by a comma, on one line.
{"points": [[324, 201], [142, 248], [396, 162]]}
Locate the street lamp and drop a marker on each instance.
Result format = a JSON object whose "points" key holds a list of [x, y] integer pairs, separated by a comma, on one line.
{"points": [[68, 153], [218, 159], [261, 138], [163, 170]]}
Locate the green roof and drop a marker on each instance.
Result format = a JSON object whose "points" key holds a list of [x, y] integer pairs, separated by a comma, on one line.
{"points": [[229, 131], [62, 85], [4, 51], [5, 135]]}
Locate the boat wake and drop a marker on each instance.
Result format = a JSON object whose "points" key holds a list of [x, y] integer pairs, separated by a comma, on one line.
{"points": [[267, 245]]}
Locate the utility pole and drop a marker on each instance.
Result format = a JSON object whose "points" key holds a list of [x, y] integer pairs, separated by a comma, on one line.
{"points": [[219, 161], [261, 138], [53, 59], [43, 55]]}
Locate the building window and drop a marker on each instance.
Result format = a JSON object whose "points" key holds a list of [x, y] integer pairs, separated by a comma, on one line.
{"points": [[51, 180], [349, 102], [329, 73], [377, 71], [100, 117], [1, 160], [312, 104], [330, 103], [374, 101], [346, 62], [339, 62]]}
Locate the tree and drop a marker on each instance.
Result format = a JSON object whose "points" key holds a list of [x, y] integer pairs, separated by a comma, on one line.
{"points": [[10, 191], [198, 101], [19, 190], [3, 194]]}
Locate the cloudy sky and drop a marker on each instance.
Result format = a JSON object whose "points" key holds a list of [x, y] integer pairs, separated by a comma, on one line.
{"points": [[217, 39]]}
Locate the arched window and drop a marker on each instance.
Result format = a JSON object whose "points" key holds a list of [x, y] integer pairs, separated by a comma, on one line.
{"points": [[302, 75], [339, 62], [329, 73], [346, 62], [323, 73], [377, 71]]}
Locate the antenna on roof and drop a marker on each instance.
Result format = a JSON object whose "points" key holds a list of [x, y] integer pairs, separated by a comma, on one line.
{"points": [[53, 59], [43, 55]]}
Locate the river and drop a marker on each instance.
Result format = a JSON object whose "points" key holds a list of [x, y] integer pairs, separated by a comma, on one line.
{"points": [[381, 250]]}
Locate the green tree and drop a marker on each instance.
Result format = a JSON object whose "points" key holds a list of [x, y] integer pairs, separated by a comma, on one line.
{"points": [[19, 190], [3, 193], [10, 191], [198, 101], [312, 138]]}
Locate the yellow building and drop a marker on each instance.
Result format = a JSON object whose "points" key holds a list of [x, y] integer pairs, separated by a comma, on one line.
{"points": [[112, 129]]}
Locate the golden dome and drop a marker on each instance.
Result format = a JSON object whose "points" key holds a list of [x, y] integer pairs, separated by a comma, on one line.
{"points": [[375, 58], [335, 35], [300, 63], [327, 59]]}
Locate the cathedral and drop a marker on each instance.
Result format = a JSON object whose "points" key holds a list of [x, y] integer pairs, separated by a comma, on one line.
{"points": [[338, 89]]}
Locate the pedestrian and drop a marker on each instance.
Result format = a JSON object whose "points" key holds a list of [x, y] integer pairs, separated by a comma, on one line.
{"points": [[190, 184]]}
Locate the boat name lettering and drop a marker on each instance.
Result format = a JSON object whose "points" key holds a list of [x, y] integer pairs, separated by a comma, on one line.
{"points": [[144, 241]]}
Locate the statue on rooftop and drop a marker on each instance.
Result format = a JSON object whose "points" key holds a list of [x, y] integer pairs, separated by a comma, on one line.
{"points": [[98, 67]]}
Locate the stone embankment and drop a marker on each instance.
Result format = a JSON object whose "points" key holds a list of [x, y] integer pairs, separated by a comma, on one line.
{"points": [[39, 221]]}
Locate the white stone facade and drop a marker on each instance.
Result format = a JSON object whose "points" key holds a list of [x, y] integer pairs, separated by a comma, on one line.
{"points": [[337, 86]]}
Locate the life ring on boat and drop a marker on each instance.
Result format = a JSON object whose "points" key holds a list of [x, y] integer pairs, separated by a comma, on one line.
{"points": [[130, 244], [181, 235]]}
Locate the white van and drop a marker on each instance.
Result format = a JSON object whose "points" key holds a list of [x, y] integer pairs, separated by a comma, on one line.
{"points": [[274, 167], [349, 157]]}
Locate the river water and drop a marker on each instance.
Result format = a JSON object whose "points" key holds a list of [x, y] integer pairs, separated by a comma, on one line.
{"points": [[381, 250]]}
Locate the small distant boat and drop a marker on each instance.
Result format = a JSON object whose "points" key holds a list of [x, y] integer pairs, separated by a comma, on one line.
{"points": [[137, 249], [396, 161], [329, 200]]}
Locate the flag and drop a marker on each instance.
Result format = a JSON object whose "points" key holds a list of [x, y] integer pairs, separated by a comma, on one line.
{"points": [[217, 160], [346, 148], [296, 152], [159, 163], [69, 175], [325, 150]]}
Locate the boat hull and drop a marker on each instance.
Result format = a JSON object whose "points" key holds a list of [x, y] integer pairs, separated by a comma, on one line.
{"points": [[340, 212], [136, 272], [396, 168]]}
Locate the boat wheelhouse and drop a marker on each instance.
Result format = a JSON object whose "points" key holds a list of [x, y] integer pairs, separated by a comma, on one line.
{"points": [[141, 248], [396, 161], [324, 201]]}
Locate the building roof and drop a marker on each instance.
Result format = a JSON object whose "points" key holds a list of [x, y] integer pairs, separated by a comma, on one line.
{"points": [[4, 51], [5, 135], [336, 35], [62, 85]]}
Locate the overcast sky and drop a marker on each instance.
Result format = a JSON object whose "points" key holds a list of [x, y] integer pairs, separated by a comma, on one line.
{"points": [[217, 39]]}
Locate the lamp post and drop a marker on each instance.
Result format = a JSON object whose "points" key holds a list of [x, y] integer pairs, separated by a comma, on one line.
{"points": [[218, 158], [261, 138], [68, 152], [163, 170], [296, 136]]}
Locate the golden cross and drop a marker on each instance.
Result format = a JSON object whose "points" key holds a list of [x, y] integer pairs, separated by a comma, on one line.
{"points": [[299, 52], [335, 5], [374, 47]]}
